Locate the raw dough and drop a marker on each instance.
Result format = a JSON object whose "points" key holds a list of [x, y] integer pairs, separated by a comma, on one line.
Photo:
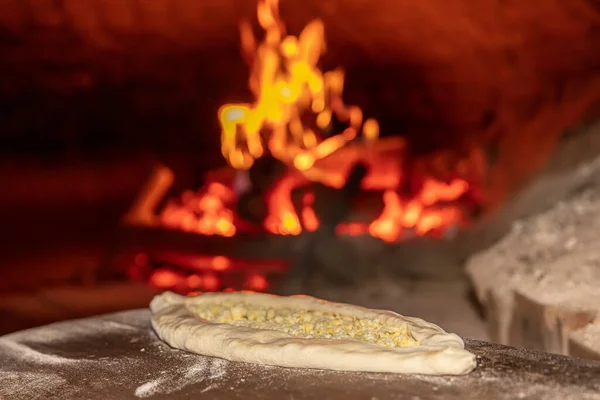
{"points": [[423, 347]]}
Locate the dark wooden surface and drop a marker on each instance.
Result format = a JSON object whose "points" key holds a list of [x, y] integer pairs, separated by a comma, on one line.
{"points": [[119, 356]]}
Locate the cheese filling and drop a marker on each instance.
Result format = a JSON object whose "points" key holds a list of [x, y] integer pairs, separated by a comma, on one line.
{"points": [[307, 323]]}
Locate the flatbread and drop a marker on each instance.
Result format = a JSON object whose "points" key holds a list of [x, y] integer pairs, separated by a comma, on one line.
{"points": [[305, 332]]}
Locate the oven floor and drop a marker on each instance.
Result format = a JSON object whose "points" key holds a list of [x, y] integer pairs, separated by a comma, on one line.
{"points": [[119, 356]]}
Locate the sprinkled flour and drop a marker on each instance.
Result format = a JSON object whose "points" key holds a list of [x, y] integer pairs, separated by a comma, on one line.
{"points": [[23, 384], [25, 352], [55, 333], [107, 362], [193, 371]]}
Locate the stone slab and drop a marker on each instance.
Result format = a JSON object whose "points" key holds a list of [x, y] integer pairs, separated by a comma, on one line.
{"points": [[585, 343], [119, 356], [540, 326], [544, 274]]}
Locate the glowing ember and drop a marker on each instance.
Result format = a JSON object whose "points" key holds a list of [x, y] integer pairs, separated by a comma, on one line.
{"points": [[165, 278], [208, 214], [414, 214], [309, 218], [196, 274], [220, 263], [256, 282], [295, 103]]}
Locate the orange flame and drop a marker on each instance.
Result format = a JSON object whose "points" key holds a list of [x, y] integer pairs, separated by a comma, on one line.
{"points": [[288, 87], [287, 84], [415, 214], [207, 214], [282, 217]]}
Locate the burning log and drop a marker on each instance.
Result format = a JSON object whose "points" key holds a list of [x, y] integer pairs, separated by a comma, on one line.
{"points": [[366, 205], [252, 207], [264, 173], [342, 201], [262, 177], [245, 246], [151, 195], [316, 253]]}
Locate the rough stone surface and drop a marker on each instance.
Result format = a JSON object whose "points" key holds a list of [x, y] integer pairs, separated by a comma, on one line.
{"points": [[118, 356], [550, 263], [585, 343], [545, 326]]}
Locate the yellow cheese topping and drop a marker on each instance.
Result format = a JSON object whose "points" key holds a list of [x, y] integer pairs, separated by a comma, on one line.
{"points": [[307, 323]]}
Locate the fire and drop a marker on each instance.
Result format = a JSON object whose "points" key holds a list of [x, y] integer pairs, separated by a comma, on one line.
{"points": [[282, 217], [414, 214], [294, 106], [288, 85], [208, 214], [189, 273]]}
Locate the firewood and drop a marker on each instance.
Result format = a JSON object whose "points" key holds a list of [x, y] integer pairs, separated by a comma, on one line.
{"points": [[252, 207], [252, 247], [320, 246], [143, 209], [265, 172]]}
